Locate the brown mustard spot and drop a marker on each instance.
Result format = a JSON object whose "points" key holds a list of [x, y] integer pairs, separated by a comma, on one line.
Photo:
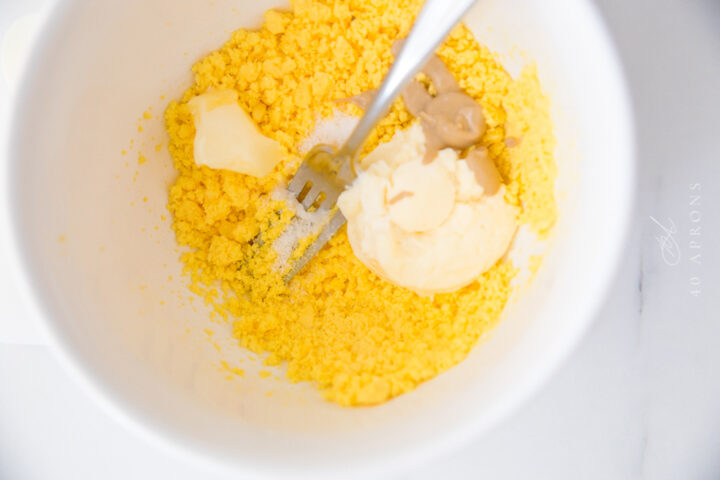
{"points": [[486, 173], [512, 142], [400, 196]]}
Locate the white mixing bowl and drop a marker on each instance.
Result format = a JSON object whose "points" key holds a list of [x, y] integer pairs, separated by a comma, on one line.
{"points": [[105, 283]]}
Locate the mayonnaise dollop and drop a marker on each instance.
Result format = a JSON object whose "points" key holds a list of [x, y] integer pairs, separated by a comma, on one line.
{"points": [[431, 227]]}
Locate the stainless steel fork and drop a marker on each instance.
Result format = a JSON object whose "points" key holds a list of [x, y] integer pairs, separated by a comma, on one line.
{"points": [[326, 171]]}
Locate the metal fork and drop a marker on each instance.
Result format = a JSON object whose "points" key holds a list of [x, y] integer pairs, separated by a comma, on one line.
{"points": [[326, 171]]}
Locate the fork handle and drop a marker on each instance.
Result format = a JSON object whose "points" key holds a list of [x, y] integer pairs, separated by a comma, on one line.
{"points": [[434, 22]]}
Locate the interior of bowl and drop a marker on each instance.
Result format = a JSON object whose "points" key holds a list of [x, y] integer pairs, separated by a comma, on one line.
{"points": [[102, 263]]}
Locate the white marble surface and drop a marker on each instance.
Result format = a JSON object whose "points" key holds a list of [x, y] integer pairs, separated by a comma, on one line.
{"points": [[639, 398]]}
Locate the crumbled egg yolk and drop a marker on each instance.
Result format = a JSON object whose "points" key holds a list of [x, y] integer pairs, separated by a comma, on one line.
{"points": [[360, 339]]}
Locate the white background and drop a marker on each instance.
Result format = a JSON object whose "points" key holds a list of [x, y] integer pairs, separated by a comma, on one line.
{"points": [[639, 398]]}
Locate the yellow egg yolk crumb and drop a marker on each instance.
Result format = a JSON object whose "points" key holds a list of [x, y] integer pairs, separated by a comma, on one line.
{"points": [[360, 339]]}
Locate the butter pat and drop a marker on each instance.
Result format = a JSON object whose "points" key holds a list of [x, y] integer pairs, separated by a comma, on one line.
{"points": [[227, 138], [430, 227]]}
